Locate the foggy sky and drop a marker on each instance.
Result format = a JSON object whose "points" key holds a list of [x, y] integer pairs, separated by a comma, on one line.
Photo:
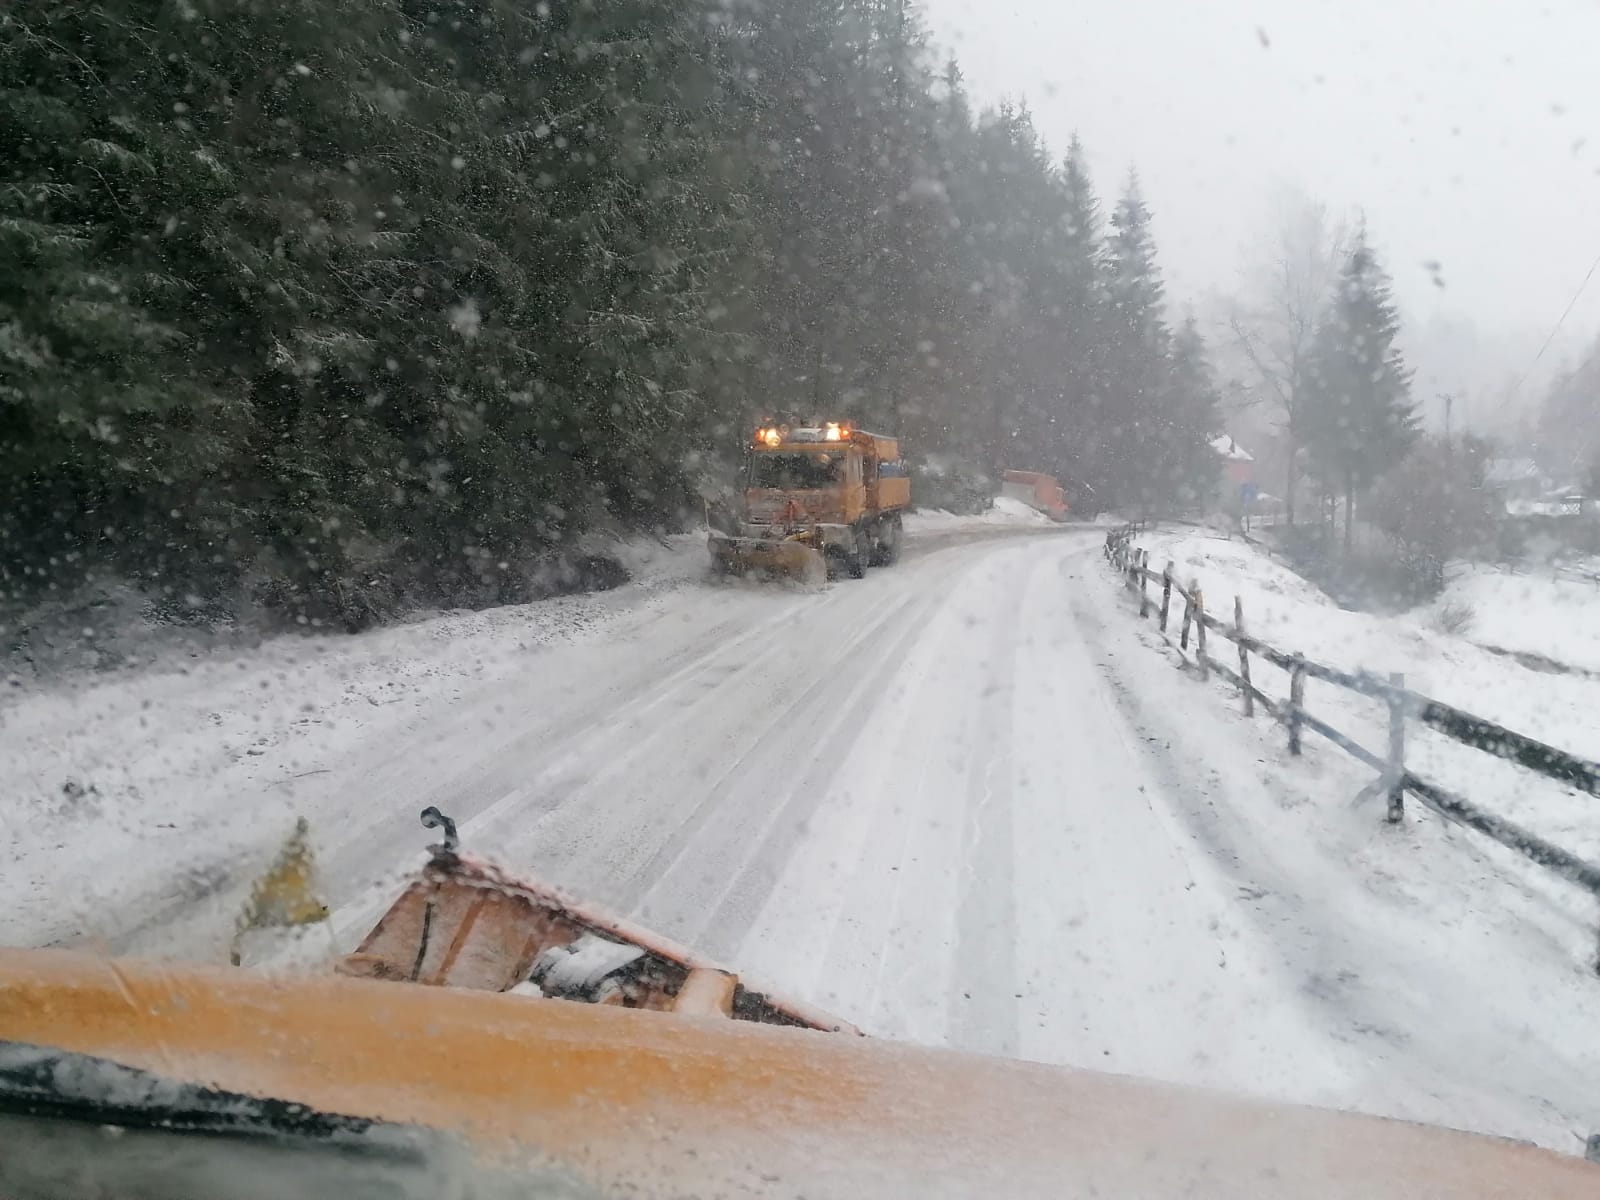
{"points": [[1468, 131]]}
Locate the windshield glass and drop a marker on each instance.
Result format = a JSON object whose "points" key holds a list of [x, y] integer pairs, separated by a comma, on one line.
{"points": [[797, 472], [1033, 532]]}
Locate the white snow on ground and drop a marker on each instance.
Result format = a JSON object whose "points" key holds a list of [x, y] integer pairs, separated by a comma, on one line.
{"points": [[1005, 512], [116, 779], [199, 764], [966, 800], [1554, 613], [1557, 708]]}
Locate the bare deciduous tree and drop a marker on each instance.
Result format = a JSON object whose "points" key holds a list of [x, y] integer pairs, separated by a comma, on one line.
{"points": [[1274, 320]]}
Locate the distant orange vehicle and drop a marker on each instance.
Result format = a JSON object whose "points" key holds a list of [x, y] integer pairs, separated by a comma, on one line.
{"points": [[1037, 490]]}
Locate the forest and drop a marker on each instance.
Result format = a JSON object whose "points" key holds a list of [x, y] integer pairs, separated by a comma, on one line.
{"points": [[348, 307]]}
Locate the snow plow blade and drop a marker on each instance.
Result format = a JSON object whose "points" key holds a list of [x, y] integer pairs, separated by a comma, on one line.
{"points": [[466, 923], [783, 558]]}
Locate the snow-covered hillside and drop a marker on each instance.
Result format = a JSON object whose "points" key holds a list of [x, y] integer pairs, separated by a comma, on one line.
{"points": [[1558, 708], [1550, 612]]}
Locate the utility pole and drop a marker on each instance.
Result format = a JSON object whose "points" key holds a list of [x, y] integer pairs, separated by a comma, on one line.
{"points": [[1449, 403]]}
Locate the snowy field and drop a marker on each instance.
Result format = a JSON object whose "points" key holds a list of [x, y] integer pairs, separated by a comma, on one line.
{"points": [[968, 800], [1551, 612]]}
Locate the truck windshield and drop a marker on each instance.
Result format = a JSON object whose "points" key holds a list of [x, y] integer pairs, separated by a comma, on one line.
{"points": [[177, 1140], [795, 471]]}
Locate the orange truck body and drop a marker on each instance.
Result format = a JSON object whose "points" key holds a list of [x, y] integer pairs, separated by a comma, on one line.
{"points": [[861, 493], [641, 1103], [1036, 490]]}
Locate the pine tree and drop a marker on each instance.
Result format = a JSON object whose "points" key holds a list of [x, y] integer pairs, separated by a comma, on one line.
{"points": [[1186, 423], [1360, 419], [1081, 255], [1136, 347]]}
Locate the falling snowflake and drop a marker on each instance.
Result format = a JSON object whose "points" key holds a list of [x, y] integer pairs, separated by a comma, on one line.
{"points": [[465, 318]]}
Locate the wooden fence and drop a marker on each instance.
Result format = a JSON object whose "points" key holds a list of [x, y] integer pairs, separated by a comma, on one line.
{"points": [[1394, 781]]}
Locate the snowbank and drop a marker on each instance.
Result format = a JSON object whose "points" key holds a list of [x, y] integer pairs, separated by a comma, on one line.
{"points": [[1005, 511], [116, 626]]}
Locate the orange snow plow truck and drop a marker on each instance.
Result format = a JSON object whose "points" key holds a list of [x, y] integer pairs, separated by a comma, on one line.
{"points": [[819, 500], [490, 1039], [1037, 491]]}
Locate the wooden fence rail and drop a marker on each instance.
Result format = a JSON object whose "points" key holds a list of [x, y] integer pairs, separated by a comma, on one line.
{"points": [[1403, 705]]}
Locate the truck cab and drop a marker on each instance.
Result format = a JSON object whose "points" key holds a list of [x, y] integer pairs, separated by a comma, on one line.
{"points": [[836, 490]]}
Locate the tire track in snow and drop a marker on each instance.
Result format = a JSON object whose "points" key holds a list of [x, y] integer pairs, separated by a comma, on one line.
{"points": [[617, 733], [593, 837], [882, 947], [739, 908], [984, 984], [463, 763], [863, 917]]}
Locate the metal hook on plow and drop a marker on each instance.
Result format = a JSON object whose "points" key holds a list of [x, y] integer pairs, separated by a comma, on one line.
{"points": [[432, 818]]}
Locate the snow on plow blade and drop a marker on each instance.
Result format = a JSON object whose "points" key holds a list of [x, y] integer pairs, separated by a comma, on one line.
{"points": [[788, 558], [466, 923]]}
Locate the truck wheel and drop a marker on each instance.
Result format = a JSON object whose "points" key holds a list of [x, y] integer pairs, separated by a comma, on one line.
{"points": [[890, 533], [836, 562], [858, 561]]}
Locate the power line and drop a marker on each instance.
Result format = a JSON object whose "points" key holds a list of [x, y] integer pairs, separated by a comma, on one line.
{"points": [[1517, 391]]}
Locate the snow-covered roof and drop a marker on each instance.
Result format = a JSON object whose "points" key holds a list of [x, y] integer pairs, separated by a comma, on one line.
{"points": [[1231, 450]]}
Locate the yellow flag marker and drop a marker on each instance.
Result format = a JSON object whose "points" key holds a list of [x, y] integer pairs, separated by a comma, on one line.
{"points": [[285, 897]]}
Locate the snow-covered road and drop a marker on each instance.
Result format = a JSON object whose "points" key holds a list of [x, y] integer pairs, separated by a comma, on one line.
{"points": [[967, 800]]}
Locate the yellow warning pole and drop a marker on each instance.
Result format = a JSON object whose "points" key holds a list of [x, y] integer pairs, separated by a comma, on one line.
{"points": [[286, 896]]}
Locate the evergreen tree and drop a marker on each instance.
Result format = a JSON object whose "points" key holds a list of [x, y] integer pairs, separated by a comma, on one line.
{"points": [[1136, 347], [1360, 419], [1186, 472], [1082, 258]]}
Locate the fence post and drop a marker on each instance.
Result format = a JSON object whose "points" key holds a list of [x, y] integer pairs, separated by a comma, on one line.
{"points": [[1395, 776], [1244, 659], [1188, 616], [1297, 701], [1166, 594], [1200, 630], [1144, 595]]}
